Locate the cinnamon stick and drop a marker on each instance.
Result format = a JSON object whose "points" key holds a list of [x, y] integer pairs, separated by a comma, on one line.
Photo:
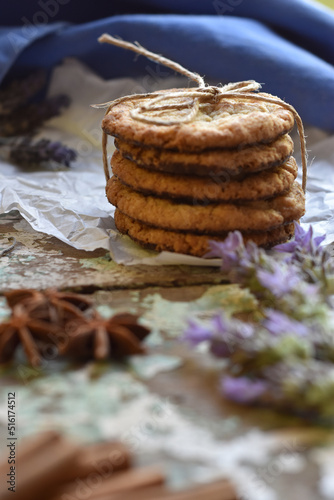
{"points": [[121, 482], [41, 464], [104, 458], [217, 490]]}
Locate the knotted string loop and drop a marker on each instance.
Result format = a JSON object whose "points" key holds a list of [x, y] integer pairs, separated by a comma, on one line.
{"points": [[192, 99]]}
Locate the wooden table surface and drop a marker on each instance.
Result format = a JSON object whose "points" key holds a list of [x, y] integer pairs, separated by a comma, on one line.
{"points": [[40, 261]]}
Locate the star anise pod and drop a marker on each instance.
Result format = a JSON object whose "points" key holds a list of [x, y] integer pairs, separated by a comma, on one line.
{"points": [[21, 328], [50, 305], [15, 297], [102, 338]]}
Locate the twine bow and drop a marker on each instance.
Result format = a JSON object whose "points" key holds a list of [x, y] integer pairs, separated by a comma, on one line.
{"points": [[192, 98]]}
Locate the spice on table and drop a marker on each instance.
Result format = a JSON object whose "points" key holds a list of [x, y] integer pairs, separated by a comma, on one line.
{"points": [[48, 464], [41, 319], [42, 463], [49, 305], [218, 490], [132, 481], [105, 457], [101, 338], [23, 329]]}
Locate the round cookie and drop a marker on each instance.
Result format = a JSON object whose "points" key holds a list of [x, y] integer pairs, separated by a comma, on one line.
{"points": [[215, 188], [224, 123], [209, 218], [215, 161], [192, 244]]}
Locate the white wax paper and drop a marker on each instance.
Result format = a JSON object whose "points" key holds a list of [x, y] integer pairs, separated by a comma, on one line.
{"points": [[71, 204]]}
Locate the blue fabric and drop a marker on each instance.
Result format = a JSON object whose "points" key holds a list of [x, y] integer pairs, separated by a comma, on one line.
{"points": [[287, 45]]}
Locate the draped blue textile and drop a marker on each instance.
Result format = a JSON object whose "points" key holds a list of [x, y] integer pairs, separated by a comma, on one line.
{"points": [[287, 45]]}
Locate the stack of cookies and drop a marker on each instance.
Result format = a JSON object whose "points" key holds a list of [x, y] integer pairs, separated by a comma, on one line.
{"points": [[176, 186]]}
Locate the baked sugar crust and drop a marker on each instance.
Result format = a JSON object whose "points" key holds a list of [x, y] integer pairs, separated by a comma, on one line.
{"points": [[207, 218], [226, 123], [213, 161], [214, 188], [189, 243]]}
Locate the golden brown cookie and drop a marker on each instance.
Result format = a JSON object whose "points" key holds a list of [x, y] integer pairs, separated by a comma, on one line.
{"points": [[188, 243], [214, 161], [207, 218], [226, 123], [215, 188]]}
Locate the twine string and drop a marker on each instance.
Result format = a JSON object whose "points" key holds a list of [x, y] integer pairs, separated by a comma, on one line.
{"points": [[192, 98], [136, 47]]}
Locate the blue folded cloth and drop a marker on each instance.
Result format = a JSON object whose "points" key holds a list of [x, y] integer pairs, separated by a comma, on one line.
{"points": [[287, 45]]}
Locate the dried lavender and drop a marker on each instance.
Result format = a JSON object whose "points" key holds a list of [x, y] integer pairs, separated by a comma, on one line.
{"points": [[305, 388], [278, 323], [20, 119], [27, 119], [249, 349], [286, 358], [303, 242], [244, 390], [28, 153], [241, 262], [297, 284], [313, 260], [19, 92]]}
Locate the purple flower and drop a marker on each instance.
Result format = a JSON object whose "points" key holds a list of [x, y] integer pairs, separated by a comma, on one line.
{"points": [[252, 255], [238, 259], [220, 324], [242, 389], [303, 241], [221, 332], [223, 340], [280, 280], [278, 323], [228, 250], [196, 333], [225, 328], [227, 333]]}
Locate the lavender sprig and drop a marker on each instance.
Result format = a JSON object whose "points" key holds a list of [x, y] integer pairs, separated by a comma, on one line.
{"points": [[305, 388], [19, 92], [298, 286], [27, 119], [240, 260], [20, 119], [278, 323], [286, 359], [303, 242], [28, 153], [249, 349], [313, 260], [243, 390]]}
